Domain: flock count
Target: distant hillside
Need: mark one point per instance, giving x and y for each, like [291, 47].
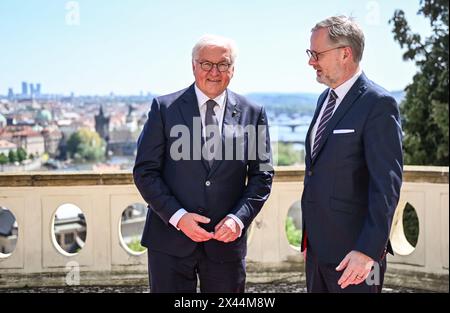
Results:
[288, 103]
[297, 103]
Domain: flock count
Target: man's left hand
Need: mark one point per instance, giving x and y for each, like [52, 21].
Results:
[227, 230]
[357, 267]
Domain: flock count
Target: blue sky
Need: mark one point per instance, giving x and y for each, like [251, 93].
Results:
[145, 45]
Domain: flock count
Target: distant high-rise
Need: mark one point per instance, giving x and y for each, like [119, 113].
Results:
[10, 94]
[24, 89]
[38, 89]
[32, 90]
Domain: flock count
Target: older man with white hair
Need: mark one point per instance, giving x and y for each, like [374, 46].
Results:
[201, 198]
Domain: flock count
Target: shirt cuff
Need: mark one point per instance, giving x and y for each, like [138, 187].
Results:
[177, 217]
[237, 220]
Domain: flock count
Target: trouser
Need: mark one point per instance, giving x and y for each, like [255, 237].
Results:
[172, 274]
[323, 277]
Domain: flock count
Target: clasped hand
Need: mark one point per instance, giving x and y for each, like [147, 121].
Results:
[226, 230]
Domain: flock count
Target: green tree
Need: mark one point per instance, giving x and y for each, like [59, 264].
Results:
[425, 108]
[86, 145]
[286, 154]
[293, 234]
[12, 156]
[135, 245]
[411, 224]
[3, 159]
[21, 154]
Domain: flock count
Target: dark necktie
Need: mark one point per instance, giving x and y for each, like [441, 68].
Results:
[326, 117]
[211, 122]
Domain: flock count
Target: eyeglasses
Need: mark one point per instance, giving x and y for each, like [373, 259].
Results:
[221, 67]
[315, 55]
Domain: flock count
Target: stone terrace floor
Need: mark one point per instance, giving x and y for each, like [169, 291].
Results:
[250, 288]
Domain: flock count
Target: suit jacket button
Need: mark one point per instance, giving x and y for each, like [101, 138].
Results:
[310, 173]
[208, 183]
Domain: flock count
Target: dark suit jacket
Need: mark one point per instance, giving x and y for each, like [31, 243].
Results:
[235, 186]
[352, 186]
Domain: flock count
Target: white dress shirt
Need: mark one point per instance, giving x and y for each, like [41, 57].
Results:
[219, 111]
[340, 91]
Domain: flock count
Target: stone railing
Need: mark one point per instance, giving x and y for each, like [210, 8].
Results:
[37, 260]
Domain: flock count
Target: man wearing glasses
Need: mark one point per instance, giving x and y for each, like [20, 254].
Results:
[201, 204]
[353, 169]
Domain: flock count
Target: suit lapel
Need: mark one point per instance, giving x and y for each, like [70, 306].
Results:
[189, 111]
[350, 98]
[231, 118]
[189, 107]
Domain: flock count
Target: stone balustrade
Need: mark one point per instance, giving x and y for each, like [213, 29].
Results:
[37, 259]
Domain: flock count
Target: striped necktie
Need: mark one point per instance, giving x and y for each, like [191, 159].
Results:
[326, 117]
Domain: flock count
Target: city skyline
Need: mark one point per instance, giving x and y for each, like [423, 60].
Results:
[33, 90]
[99, 47]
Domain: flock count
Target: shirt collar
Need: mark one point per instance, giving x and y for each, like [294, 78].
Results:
[342, 90]
[202, 98]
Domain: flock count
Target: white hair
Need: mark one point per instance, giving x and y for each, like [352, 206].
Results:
[217, 41]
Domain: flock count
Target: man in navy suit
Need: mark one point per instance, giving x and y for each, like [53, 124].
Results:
[353, 169]
[203, 165]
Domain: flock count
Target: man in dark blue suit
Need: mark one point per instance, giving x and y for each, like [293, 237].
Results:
[353, 169]
[203, 165]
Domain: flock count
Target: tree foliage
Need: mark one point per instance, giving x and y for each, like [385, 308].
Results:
[285, 154]
[3, 159]
[21, 154]
[425, 108]
[293, 234]
[86, 145]
[12, 156]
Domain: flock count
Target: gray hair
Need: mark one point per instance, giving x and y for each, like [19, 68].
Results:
[345, 31]
[215, 40]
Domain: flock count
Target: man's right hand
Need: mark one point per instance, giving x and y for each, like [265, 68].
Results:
[188, 224]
